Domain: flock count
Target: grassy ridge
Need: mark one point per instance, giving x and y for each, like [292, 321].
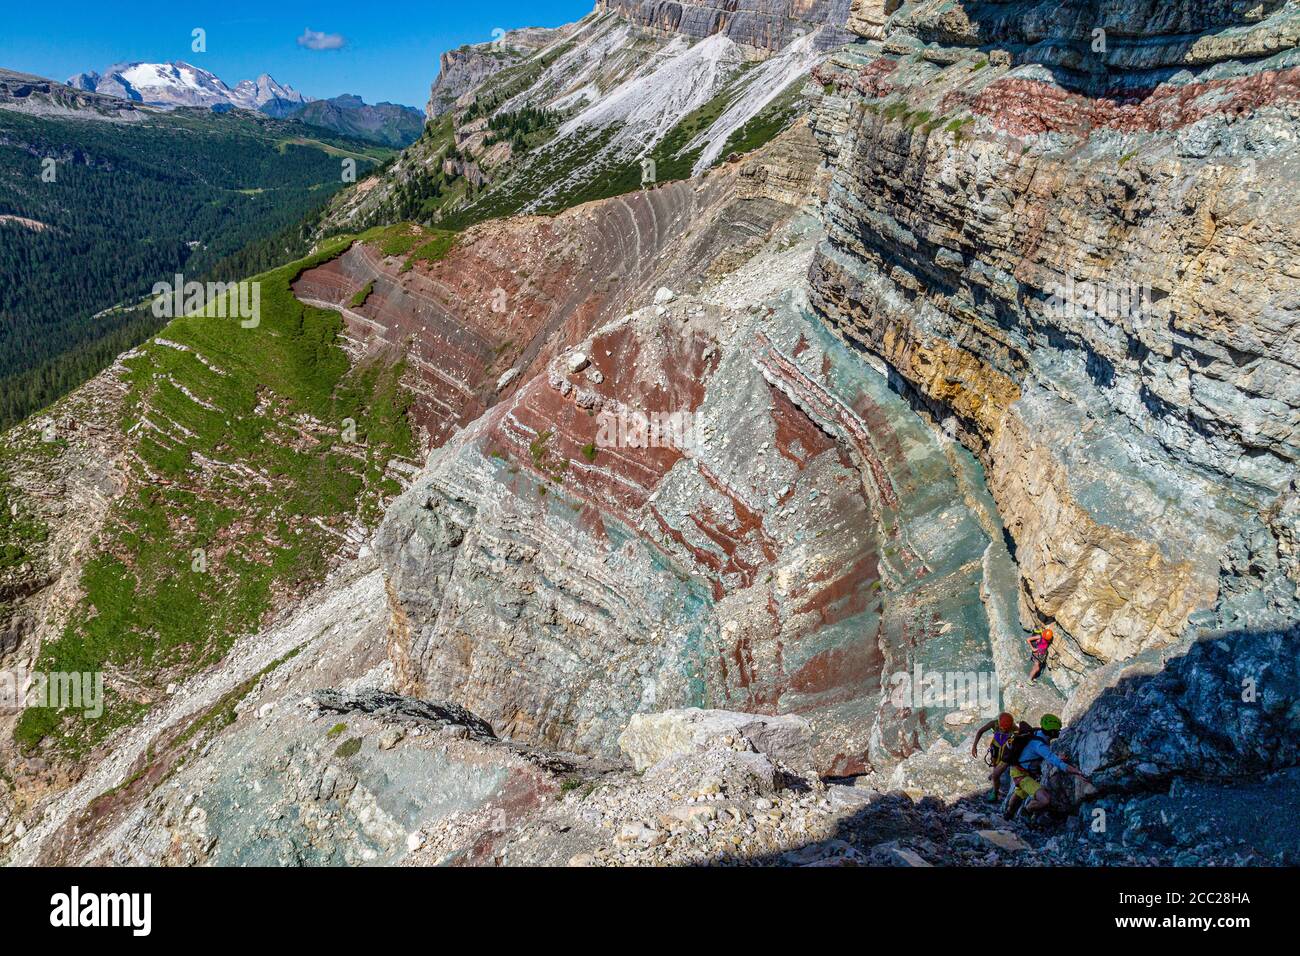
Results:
[253, 449]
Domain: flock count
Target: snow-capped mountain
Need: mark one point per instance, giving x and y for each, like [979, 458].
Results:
[182, 84]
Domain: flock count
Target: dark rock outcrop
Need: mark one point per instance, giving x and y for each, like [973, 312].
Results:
[1193, 823]
[1222, 704]
[403, 709]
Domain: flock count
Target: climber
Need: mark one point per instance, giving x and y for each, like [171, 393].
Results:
[1002, 738]
[1026, 759]
[1039, 641]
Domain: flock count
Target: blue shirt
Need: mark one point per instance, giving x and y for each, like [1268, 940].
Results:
[1037, 750]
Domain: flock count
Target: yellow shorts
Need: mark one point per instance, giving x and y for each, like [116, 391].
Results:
[1026, 786]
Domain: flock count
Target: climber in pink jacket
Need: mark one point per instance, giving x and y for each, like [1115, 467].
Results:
[1039, 642]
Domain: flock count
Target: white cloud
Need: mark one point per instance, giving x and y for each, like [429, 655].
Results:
[315, 40]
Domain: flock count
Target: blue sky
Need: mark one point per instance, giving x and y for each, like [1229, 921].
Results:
[390, 50]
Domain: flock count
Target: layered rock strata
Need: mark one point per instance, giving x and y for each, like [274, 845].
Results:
[765, 25]
[1080, 262]
[805, 545]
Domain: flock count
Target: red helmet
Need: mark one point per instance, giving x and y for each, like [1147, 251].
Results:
[1006, 722]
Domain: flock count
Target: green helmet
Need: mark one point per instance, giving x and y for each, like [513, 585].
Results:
[1050, 722]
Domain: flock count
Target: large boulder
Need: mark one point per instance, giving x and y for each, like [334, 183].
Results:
[650, 738]
[942, 770]
[1228, 707]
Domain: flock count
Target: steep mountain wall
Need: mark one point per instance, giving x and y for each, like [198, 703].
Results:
[1073, 252]
[463, 70]
[538, 121]
[762, 24]
[810, 539]
[1068, 229]
[509, 296]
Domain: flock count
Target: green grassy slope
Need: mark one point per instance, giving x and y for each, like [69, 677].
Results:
[244, 473]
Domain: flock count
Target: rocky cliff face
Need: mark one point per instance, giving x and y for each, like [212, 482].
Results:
[1220, 703]
[796, 543]
[1076, 250]
[550, 119]
[508, 297]
[463, 70]
[1003, 334]
[765, 25]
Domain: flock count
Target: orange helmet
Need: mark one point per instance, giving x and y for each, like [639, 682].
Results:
[1047, 633]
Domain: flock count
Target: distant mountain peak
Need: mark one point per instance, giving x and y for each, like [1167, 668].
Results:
[387, 123]
[183, 84]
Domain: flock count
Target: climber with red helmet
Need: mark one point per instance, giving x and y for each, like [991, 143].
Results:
[1039, 641]
[1005, 730]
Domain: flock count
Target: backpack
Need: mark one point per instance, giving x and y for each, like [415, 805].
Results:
[1015, 744]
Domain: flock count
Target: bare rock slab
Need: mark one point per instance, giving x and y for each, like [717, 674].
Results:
[650, 738]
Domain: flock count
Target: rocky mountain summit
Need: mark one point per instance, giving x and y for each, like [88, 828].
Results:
[463, 70]
[700, 519]
[182, 84]
[387, 123]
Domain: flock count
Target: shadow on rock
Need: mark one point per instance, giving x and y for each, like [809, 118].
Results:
[1193, 752]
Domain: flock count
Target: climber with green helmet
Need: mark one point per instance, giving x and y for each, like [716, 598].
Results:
[1027, 761]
